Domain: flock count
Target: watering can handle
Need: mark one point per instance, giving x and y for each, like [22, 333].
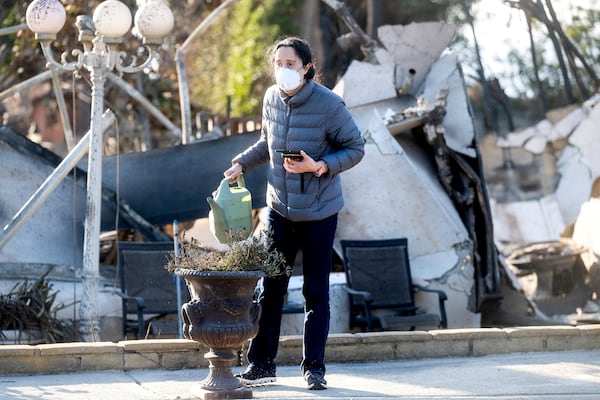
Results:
[225, 184]
[241, 183]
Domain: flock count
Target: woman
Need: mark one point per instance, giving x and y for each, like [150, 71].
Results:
[304, 196]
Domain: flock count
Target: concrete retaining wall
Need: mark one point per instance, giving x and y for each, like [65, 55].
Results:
[341, 348]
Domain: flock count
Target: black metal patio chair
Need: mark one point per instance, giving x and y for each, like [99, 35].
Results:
[148, 290]
[381, 289]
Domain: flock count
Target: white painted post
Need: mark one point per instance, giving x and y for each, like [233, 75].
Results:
[90, 275]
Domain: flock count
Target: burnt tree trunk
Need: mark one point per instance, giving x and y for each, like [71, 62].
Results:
[536, 68]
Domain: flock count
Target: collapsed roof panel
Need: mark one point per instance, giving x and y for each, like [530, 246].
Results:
[575, 186]
[416, 46]
[366, 83]
[172, 183]
[399, 195]
[446, 74]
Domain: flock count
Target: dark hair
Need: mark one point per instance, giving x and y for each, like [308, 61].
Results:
[302, 50]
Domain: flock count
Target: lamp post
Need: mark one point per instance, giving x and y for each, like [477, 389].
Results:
[100, 37]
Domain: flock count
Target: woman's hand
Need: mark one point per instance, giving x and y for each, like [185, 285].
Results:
[234, 172]
[307, 164]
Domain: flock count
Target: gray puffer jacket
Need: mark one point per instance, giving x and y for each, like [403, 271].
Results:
[314, 120]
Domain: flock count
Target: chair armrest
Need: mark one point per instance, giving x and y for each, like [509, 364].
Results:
[139, 301]
[368, 297]
[441, 294]
[442, 297]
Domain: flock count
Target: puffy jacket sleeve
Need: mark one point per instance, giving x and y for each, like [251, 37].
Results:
[345, 138]
[254, 155]
[258, 153]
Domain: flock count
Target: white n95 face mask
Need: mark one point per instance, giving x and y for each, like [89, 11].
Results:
[288, 79]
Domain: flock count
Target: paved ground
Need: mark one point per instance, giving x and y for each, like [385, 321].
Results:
[526, 376]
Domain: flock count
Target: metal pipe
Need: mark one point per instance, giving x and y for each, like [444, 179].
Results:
[12, 29]
[51, 183]
[25, 84]
[184, 100]
[184, 94]
[62, 108]
[178, 279]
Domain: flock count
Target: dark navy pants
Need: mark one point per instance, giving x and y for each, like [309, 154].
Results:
[315, 239]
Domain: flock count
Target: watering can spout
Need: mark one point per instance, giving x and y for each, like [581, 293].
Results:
[213, 204]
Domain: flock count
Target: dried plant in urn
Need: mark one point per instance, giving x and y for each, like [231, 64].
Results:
[252, 254]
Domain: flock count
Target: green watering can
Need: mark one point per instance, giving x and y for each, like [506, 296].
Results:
[230, 211]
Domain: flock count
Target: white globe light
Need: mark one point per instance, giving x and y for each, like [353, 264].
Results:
[112, 18]
[46, 16]
[154, 20]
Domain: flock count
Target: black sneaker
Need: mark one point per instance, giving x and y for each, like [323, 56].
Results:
[315, 380]
[257, 375]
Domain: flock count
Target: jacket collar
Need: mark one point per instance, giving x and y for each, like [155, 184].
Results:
[300, 97]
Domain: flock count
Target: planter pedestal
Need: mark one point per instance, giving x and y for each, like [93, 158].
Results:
[221, 316]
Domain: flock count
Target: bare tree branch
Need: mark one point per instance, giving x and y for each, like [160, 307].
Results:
[536, 71]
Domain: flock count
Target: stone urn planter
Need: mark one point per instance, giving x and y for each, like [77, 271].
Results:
[223, 312]
[222, 316]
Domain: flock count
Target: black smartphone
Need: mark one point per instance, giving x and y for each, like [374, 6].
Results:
[294, 155]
